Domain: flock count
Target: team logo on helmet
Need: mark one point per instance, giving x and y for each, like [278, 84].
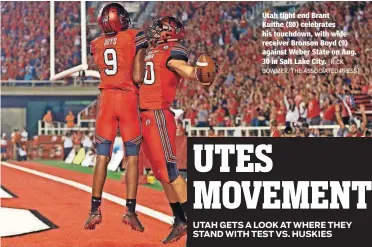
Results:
[165, 29]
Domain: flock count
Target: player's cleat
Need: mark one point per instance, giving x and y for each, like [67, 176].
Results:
[131, 219]
[178, 230]
[94, 219]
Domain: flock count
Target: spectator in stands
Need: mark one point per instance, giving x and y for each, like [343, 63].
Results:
[70, 119]
[16, 136]
[87, 142]
[211, 132]
[191, 114]
[299, 132]
[303, 112]
[292, 115]
[24, 135]
[346, 112]
[4, 145]
[48, 120]
[281, 114]
[353, 130]
[180, 130]
[32, 35]
[307, 132]
[21, 153]
[92, 115]
[329, 112]
[76, 139]
[275, 132]
[220, 29]
[67, 145]
[313, 109]
[202, 116]
[67, 35]
[16, 141]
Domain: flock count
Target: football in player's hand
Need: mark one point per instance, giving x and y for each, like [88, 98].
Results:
[206, 70]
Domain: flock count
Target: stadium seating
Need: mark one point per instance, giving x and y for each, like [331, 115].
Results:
[25, 40]
[67, 35]
[242, 95]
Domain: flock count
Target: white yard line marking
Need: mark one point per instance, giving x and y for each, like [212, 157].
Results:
[141, 209]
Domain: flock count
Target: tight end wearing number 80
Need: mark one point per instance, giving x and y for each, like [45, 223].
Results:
[206, 70]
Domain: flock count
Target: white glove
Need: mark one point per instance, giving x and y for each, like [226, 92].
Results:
[178, 113]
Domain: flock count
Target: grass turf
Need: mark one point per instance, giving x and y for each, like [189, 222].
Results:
[89, 170]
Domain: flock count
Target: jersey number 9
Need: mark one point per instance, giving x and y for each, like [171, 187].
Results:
[111, 61]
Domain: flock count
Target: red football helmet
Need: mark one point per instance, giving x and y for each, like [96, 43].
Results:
[113, 18]
[165, 29]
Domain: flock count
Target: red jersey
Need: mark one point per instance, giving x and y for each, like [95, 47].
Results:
[329, 113]
[358, 134]
[159, 85]
[280, 116]
[313, 109]
[192, 116]
[275, 133]
[247, 116]
[233, 108]
[114, 57]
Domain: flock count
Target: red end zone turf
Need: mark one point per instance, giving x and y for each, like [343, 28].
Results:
[67, 208]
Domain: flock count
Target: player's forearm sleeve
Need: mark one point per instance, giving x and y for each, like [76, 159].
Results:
[141, 41]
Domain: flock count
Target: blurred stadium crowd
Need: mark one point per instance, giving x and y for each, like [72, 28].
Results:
[242, 95]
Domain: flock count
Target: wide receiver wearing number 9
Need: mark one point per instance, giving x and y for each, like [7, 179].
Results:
[119, 54]
[166, 63]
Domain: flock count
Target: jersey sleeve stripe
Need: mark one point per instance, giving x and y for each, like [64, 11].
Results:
[178, 52]
[186, 52]
[182, 48]
[140, 36]
[140, 44]
[140, 41]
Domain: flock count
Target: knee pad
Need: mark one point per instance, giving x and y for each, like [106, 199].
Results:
[173, 171]
[132, 149]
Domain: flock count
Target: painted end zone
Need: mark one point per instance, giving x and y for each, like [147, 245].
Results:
[6, 194]
[15, 222]
[67, 206]
[141, 209]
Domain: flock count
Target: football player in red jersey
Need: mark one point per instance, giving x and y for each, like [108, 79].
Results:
[166, 63]
[119, 54]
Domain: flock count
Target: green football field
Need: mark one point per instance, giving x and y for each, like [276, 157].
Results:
[89, 170]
